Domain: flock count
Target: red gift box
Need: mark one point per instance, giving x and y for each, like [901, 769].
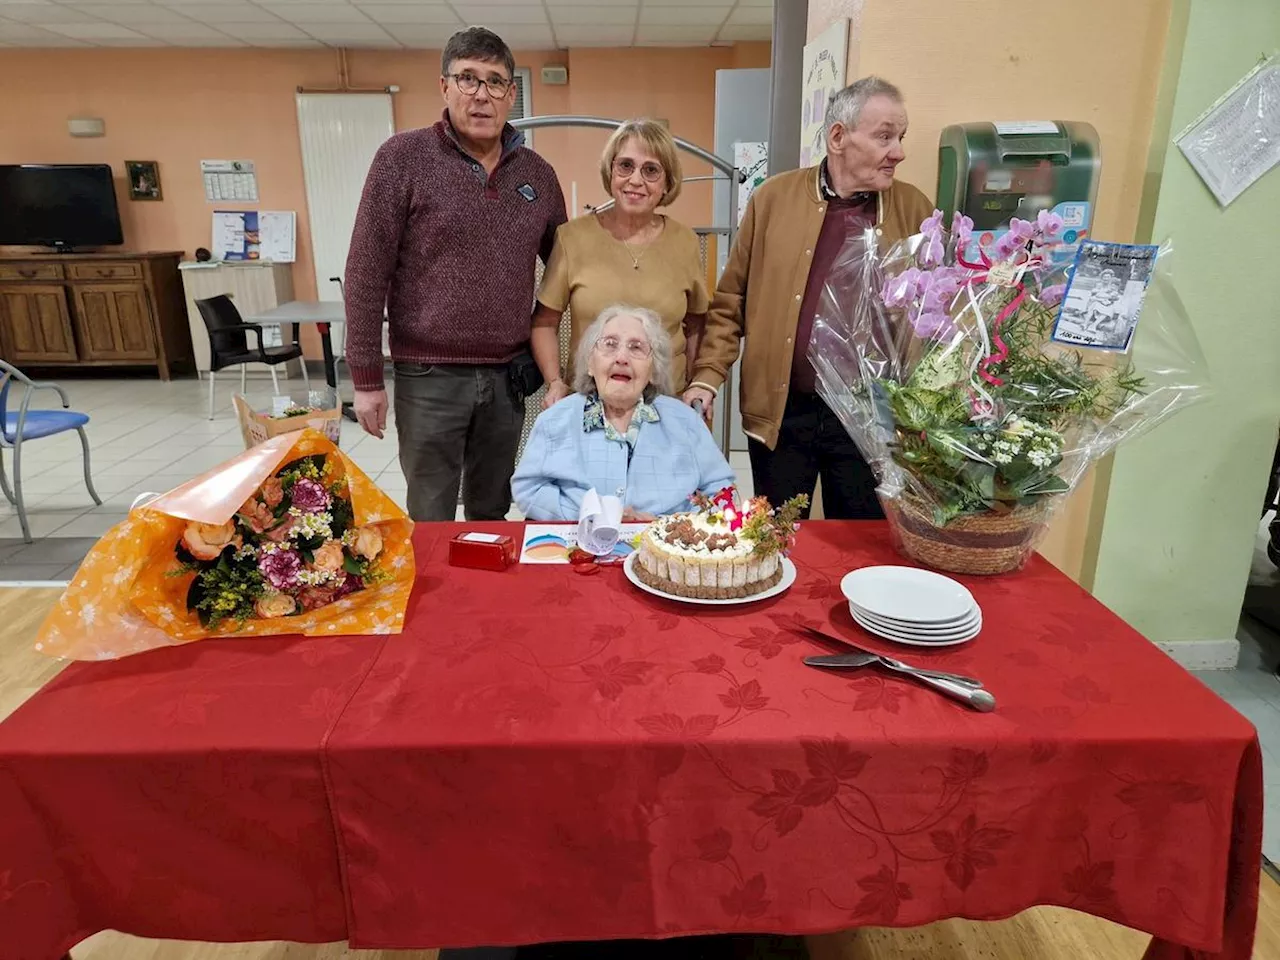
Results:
[482, 551]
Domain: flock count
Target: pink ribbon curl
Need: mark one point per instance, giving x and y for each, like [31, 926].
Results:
[1001, 352]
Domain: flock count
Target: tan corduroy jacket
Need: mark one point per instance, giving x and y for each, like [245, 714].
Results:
[763, 283]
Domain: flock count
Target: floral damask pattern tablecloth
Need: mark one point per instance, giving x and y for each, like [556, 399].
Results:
[542, 755]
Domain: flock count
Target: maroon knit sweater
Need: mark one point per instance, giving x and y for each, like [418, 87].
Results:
[450, 253]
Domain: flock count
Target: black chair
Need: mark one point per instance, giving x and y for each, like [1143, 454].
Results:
[229, 344]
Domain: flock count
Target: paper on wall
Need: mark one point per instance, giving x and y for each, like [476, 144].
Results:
[1237, 140]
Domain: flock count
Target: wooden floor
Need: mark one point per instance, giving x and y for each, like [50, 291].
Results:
[1041, 934]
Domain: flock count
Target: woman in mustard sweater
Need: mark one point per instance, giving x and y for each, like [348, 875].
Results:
[628, 253]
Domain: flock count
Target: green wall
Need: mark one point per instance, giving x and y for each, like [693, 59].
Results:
[1183, 503]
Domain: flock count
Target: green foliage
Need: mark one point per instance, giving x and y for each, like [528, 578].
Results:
[973, 465]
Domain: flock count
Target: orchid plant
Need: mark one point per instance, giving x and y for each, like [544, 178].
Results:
[982, 406]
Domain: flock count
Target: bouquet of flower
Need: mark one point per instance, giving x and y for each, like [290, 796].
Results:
[288, 537]
[291, 547]
[981, 381]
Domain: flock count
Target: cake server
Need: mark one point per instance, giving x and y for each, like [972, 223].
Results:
[852, 659]
[975, 697]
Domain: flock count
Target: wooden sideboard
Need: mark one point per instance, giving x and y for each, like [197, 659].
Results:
[95, 310]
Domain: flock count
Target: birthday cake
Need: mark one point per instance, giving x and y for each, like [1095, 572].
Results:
[718, 551]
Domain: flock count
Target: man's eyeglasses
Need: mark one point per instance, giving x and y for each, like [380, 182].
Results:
[636, 349]
[469, 84]
[651, 172]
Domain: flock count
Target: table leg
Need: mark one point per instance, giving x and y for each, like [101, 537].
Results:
[330, 371]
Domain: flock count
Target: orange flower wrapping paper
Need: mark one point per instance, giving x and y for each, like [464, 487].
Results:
[123, 602]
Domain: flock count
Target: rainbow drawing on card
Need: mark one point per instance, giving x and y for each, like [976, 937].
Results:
[546, 548]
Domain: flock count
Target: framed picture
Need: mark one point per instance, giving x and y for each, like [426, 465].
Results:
[144, 179]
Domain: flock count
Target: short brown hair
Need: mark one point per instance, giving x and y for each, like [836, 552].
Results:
[659, 141]
[477, 43]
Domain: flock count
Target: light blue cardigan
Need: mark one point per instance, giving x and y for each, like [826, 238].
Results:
[673, 457]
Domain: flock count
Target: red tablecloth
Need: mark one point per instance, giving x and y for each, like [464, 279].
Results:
[543, 755]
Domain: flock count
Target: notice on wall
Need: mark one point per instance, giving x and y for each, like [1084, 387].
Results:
[822, 77]
[267, 235]
[278, 232]
[229, 180]
[1237, 140]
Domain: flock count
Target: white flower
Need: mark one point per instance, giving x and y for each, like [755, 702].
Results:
[307, 526]
[88, 614]
[1002, 458]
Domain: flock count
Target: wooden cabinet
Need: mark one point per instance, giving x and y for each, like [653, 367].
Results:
[113, 322]
[35, 326]
[95, 310]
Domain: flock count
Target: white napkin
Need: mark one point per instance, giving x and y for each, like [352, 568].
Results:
[599, 523]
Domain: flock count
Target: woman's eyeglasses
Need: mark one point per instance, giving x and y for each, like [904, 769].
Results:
[651, 172]
[635, 349]
[469, 84]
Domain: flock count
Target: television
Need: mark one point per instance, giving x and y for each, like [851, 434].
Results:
[58, 205]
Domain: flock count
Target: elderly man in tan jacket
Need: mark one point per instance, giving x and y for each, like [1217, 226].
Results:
[793, 229]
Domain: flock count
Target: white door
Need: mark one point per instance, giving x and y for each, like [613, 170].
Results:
[339, 134]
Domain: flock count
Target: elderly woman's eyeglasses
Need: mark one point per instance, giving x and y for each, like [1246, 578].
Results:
[635, 349]
[651, 172]
[469, 84]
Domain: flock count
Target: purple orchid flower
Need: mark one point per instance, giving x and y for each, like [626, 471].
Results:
[281, 569]
[961, 229]
[932, 325]
[1052, 295]
[1049, 224]
[903, 289]
[1007, 246]
[1023, 230]
[932, 250]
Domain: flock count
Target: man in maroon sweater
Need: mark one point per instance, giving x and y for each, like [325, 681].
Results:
[452, 219]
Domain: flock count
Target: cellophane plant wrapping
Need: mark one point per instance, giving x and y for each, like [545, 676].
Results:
[946, 375]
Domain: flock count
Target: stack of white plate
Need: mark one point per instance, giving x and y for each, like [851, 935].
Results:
[908, 605]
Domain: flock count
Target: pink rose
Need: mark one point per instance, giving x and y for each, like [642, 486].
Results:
[273, 492]
[328, 556]
[368, 542]
[205, 541]
[275, 605]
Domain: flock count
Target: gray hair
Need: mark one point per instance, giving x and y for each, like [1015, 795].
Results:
[845, 107]
[659, 342]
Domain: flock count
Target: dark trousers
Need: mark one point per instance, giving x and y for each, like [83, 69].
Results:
[457, 424]
[812, 443]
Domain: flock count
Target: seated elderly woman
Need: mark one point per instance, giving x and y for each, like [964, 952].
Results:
[619, 433]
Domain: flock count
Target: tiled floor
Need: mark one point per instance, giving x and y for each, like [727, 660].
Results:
[147, 436]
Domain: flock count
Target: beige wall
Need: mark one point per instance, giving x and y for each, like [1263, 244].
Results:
[181, 106]
[969, 60]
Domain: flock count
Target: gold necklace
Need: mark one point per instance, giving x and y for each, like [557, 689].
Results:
[636, 258]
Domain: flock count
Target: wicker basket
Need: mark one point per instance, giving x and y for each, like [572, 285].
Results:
[985, 543]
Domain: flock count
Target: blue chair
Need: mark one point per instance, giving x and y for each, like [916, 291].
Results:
[27, 425]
